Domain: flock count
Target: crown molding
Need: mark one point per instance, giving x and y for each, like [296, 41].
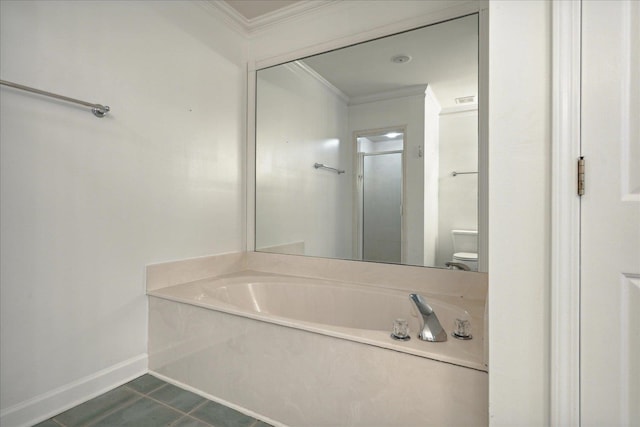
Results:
[390, 94]
[221, 10]
[249, 26]
[326, 83]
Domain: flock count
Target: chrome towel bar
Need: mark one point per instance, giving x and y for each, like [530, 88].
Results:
[98, 110]
[320, 165]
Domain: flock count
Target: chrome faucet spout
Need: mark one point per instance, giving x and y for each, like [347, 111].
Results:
[430, 327]
[457, 266]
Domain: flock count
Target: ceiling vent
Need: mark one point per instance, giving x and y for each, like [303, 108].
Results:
[466, 100]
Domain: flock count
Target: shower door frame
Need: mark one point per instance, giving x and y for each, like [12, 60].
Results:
[358, 167]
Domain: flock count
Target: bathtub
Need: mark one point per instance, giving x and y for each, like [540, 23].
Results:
[299, 351]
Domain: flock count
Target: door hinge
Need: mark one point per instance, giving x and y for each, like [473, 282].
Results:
[581, 176]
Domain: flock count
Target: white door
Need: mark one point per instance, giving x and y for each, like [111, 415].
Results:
[610, 214]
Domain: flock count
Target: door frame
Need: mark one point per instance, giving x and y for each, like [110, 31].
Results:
[564, 380]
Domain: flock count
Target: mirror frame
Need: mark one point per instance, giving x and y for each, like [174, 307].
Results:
[362, 37]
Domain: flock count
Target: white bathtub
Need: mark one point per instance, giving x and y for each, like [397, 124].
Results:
[355, 312]
[299, 351]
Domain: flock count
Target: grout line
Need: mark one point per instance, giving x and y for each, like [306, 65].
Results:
[139, 396]
[155, 389]
[199, 405]
[204, 402]
[189, 414]
[178, 420]
[104, 415]
[99, 416]
[181, 412]
[192, 418]
[184, 414]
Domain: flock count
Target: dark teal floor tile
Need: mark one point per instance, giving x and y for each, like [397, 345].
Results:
[178, 398]
[221, 416]
[145, 384]
[88, 411]
[47, 423]
[143, 413]
[189, 422]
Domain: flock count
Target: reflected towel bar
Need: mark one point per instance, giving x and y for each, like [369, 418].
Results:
[98, 110]
[454, 173]
[320, 165]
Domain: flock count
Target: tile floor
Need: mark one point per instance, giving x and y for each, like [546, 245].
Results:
[150, 402]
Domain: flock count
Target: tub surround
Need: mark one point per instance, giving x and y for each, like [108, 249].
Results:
[172, 273]
[291, 377]
[433, 281]
[273, 366]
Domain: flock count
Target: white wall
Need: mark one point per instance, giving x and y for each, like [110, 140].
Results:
[301, 122]
[458, 195]
[519, 212]
[87, 202]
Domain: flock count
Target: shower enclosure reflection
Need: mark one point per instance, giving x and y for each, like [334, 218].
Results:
[397, 127]
[379, 181]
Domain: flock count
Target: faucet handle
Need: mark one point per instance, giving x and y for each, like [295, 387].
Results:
[462, 326]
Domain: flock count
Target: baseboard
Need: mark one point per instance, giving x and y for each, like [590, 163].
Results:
[45, 406]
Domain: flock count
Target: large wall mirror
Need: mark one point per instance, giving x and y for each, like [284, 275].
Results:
[370, 152]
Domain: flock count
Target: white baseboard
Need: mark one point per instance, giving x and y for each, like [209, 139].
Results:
[45, 406]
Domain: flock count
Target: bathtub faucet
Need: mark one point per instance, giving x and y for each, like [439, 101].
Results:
[456, 266]
[430, 328]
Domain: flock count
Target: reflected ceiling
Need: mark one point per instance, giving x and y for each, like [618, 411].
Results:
[252, 9]
[444, 56]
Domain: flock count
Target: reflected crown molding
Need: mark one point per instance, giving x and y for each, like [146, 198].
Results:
[390, 94]
[248, 26]
[374, 97]
[313, 73]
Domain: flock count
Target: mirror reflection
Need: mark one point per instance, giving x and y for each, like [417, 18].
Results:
[371, 152]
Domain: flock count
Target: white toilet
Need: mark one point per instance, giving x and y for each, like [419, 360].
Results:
[465, 247]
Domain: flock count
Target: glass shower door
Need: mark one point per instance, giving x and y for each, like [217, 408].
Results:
[382, 207]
